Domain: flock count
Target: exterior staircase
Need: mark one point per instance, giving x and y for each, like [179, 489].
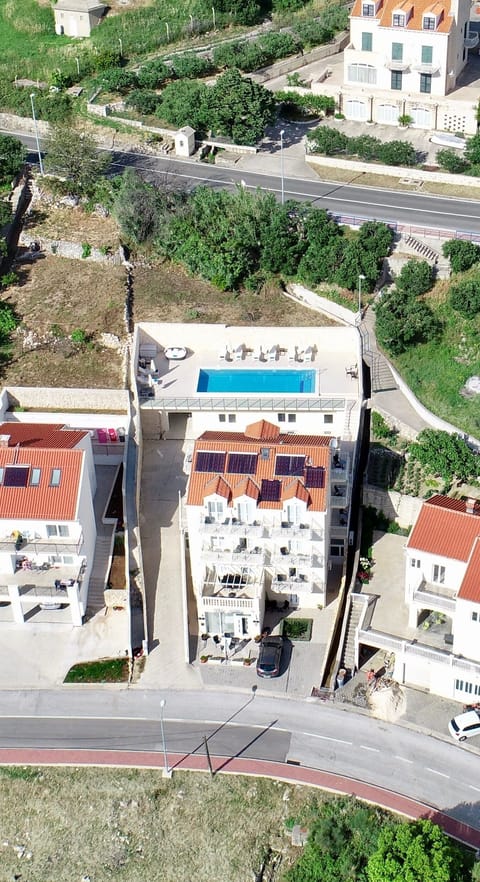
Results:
[381, 377]
[99, 574]
[348, 658]
[422, 249]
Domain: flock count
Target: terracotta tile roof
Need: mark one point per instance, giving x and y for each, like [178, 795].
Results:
[415, 22]
[444, 528]
[42, 502]
[470, 587]
[262, 430]
[295, 490]
[316, 451]
[51, 435]
[219, 487]
[247, 487]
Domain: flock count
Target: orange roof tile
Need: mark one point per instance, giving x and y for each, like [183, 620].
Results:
[51, 435]
[415, 22]
[444, 528]
[247, 487]
[219, 487]
[262, 430]
[316, 451]
[470, 587]
[42, 502]
[295, 490]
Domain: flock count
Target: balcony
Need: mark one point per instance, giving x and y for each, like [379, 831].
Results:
[288, 559]
[293, 586]
[231, 527]
[35, 545]
[302, 531]
[234, 587]
[391, 64]
[339, 499]
[428, 68]
[254, 557]
[234, 603]
[435, 597]
[471, 40]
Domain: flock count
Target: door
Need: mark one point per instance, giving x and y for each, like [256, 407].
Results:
[355, 109]
[388, 113]
[422, 117]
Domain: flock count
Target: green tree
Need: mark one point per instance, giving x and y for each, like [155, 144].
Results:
[402, 320]
[445, 455]
[472, 150]
[365, 147]
[327, 141]
[416, 850]
[12, 156]
[117, 79]
[190, 66]
[5, 213]
[415, 278]
[452, 161]
[376, 238]
[184, 104]
[397, 153]
[154, 74]
[461, 254]
[139, 208]
[239, 109]
[143, 101]
[465, 297]
[73, 154]
[282, 240]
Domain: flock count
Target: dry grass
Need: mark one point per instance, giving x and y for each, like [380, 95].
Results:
[132, 825]
[385, 182]
[71, 225]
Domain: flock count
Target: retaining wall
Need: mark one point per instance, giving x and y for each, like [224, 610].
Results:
[62, 399]
[295, 62]
[321, 304]
[395, 506]
[392, 171]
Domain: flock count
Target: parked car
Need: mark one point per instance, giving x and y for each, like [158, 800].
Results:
[465, 725]
[270, 656]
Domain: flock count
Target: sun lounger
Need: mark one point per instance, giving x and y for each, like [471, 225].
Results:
[273, 352]
[239, 352]
[224, 353]
[292, 353]
[257, 353]
[308, 354]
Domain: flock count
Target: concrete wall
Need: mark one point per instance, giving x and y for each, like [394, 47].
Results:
[296, 62]
[392, 171]
[396, 506]
[113, 402]
[321, 304]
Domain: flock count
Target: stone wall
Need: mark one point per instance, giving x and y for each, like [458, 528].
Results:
[395, 506]
[72, 250]
[296, 62]
[321, 304]
[61, 399]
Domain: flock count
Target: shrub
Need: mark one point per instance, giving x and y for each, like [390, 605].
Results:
[465, 297]
[79, 335]
[415, 278]
[8, 320]
[452, 161]
[8, 279]
[397, 153]
[365, 147]
[461, 254]
[118, 80]
[381, 431]
[191, 66]
[327, 141]
[143, 101]
[86, 249]
[5, 213]
[154, 74]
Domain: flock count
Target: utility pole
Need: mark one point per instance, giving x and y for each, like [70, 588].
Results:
[207, 754]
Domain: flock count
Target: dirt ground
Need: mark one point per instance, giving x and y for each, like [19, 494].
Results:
[130, 825]
[71, 225]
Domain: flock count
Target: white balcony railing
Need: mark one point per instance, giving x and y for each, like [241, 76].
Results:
[237, 603]
[231, 527]
[293, 586]
[471, 40]
[433, 601]
[33, 545]
[253, 558]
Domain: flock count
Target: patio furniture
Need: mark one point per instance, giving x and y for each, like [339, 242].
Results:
[273, 352]
[175, 353]
[292, 353]
[308, 354]
[224, 353]
[257, 353]
[239, 352]
[102, 436]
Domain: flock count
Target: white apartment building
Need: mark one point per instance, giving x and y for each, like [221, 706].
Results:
[262, 510]
[47, 520]
[404, 58]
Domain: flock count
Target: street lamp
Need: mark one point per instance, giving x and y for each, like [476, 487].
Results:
[213, 14]
[167, 772]
[32, 96]
[281, 165]
[360, 278]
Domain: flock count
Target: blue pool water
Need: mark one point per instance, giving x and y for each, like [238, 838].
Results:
[257, 381]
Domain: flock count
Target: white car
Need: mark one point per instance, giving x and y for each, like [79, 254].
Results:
[465, 725]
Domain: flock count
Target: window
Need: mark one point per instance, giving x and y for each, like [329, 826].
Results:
[63, 530]
[55, 476]
[52, 530]
[328, 417]
[215, 509]
[398, 20]
[415, 562]
[429, 23]
[462, 686]
[222, 417]
[281, 417]
[232, 418]
[368, 9]
[475, 617]
[362, 73]
[367, 41]
[426, 83]
[396, 79]
[337, 549]
[2, 472]
[438, 574]
[397, 51]
[465, 30]
[292, 417]
[35, 477]
[265, 453]
[427, 54]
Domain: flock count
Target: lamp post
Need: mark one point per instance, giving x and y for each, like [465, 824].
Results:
[191, 22]
[78, 66]
[168, 31]
[121, 46]
[167, 772]
[32, 96]
[361, 277]
[213, 15]
[282, 132]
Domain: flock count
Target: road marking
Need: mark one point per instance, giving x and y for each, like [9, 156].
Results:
[326, 738]
[403, 758]
[436, 772]
[474, 788]
[374, 749]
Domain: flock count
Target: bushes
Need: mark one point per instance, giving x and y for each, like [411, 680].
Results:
[306, 103]
[452, 161]
[461, 254]
[402, 319]
[250, 55]
[153, 74]
[465, 297]
[190, 66]
[143, 101]
[328, 141]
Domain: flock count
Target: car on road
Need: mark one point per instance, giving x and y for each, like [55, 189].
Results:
[465, 725]
[270, 656]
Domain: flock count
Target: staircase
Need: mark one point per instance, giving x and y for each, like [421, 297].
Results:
[349, 657]
[422, 249]
[99, 574]
[381, 377]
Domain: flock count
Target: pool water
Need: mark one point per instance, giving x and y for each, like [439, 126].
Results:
[257, 381]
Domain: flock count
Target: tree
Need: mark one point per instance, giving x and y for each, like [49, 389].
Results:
[397, 153]
[282, 241]
[5, 213]
[465, 297]
[184, 104]
[144, 101]
[365, 147]
[472, 150]
[415, 850]
[118, 80]
[415, 278]
[139, 208]
[190, 66]
[327, 141]
[461, 254]
[12, 155]
[73, 154]
[402, 320]
[377, 238]
[452, 161]
[154, 74]
[445, 455]
[239, 108]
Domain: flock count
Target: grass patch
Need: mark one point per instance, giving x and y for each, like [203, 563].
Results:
[297, 629]
[106, 670]
[29, 46]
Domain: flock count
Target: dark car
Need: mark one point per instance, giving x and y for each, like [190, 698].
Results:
[269, 657]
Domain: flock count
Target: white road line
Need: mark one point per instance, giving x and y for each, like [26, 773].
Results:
[403, 758]
[474, 788]
[373, 749]
[436, 772]
[326, 738]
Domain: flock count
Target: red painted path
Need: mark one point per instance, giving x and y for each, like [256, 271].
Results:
[241, 766]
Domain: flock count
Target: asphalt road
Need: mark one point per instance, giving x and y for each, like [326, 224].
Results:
[423, 211]
[440, 773]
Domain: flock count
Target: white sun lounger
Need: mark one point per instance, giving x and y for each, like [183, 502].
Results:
[292, 353]
[224, 353]
[273, 352]
[239, 351]
[308, 354]
[257, 354]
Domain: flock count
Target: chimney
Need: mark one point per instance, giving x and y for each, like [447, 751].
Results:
[470, 505]
[4, 440]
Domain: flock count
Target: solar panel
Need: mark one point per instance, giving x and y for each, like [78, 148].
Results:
[16, 476]
[289, 465]
[315, 477]
[270, 491]
[210, 461]
[242, 463]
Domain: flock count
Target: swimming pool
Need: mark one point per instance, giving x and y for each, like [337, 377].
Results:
[257, 381]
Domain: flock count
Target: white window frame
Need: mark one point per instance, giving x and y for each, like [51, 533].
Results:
[438, 574]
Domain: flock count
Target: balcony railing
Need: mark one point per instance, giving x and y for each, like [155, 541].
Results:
[294, 586]
[231, 527]
[221, 403]
[302, 531]
[237, 603]
[292, 559]
[434, 601]
[471, 40]
[49, 545]
[253, 557]
[428, 68]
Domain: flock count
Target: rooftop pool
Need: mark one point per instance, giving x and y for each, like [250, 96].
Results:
[296, 382]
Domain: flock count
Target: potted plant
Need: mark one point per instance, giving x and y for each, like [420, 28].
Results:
[204, 659]
[248, 661]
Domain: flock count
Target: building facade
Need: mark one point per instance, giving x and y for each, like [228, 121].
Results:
[76, 18]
